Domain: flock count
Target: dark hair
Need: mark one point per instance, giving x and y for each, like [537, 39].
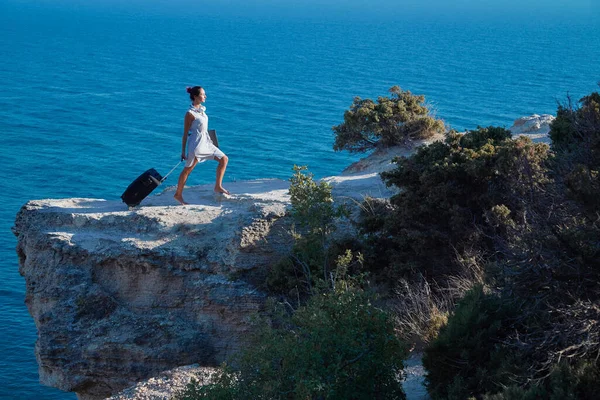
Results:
[193, 91]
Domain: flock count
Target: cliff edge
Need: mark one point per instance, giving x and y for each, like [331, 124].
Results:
[120, 295]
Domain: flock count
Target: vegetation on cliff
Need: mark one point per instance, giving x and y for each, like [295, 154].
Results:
[312, 263]
[508, 231]
[334, 342]
[337, 346]
[455, 194]
[525, 217]
[490, 252]
[393, 120]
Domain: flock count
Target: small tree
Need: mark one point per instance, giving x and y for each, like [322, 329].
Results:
[312, 204]
[391, 121]
[314, 214]
[467, 358]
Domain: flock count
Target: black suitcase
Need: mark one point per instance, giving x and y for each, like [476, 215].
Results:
[141, 187]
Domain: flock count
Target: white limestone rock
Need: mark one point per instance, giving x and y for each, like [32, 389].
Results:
[167, 384]
[535, 126]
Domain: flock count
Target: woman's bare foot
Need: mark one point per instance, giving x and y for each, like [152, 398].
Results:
[179, 198]
[221, 189]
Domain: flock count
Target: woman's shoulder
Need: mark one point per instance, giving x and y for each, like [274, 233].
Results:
[189, 115]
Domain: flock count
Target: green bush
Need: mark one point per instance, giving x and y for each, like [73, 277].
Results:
[467, 357]
[310, 265]
[573, 200]
[312, 204]
[575, 125]
[222, 385]
[449, 191]
[393, 120]
[338, 346]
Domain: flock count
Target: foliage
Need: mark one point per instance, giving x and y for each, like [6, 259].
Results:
[575, 136]
[312, 261]
[467, 358]
[390, 121]
[454, 193]
[337, 346]
[576, 125]
[540, 248]
[222, 385]
[312, 203]
[565, 382]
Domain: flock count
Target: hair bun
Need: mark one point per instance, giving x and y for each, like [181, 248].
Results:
[188, 89]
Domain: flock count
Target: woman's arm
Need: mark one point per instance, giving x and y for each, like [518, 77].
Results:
[187, 123]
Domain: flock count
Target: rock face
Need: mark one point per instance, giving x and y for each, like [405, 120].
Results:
[120, 295]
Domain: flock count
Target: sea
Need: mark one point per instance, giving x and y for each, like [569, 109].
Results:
[91, 98]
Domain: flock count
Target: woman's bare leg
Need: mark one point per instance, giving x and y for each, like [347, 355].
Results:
[220, 173]
[181, 182]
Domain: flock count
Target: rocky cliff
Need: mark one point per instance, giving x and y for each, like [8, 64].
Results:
[120, 295]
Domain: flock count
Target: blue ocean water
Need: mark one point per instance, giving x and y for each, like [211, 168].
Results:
[88, 100]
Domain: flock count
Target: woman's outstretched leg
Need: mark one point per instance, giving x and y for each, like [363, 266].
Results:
[181, 182]
[220, 173]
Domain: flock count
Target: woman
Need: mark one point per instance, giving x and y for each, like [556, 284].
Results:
[200, 148]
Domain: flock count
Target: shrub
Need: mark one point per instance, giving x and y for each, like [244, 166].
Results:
[448, 191]
[467, 357]
[220, 385]
[576, 125]
[391, 121]
[338, 346]
[540, 242]
[310, 263]
[529, 216]
[312, 204]
[575, 135]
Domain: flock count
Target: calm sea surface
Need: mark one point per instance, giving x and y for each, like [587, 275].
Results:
[88, 101]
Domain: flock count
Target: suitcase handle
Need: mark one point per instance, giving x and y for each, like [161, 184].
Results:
[173, 169]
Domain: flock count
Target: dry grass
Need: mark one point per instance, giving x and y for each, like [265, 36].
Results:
[422, 308]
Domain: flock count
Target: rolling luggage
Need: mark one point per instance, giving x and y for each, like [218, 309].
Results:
[144, 184]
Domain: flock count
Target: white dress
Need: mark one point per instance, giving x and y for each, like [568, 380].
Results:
[199, 145]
